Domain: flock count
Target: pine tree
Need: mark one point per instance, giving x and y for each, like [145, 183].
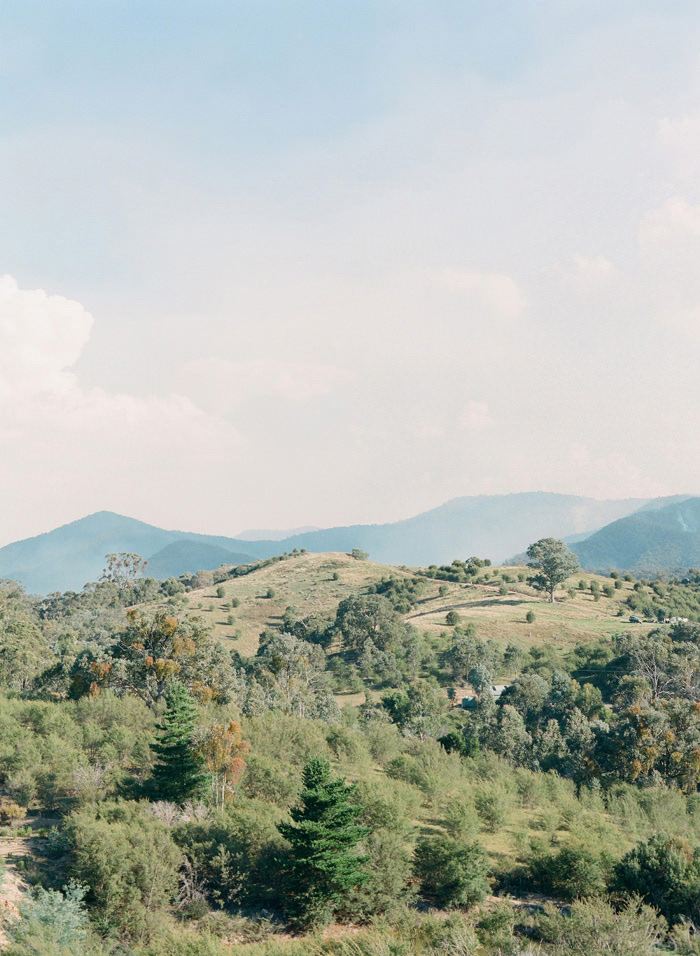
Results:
[179, 771]
[323, 864]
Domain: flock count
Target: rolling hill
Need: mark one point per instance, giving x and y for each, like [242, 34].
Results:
[647, 542]
[316, 583]
[493, 526]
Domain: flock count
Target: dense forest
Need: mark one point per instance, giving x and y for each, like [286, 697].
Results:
[357, 785]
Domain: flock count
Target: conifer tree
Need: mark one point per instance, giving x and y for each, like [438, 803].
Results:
[323, 864]
[179, 771]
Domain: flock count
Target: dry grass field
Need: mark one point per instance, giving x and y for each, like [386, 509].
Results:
[306, 582]
[502, 617]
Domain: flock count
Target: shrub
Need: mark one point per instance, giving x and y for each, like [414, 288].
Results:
[491, 805]
[234, 853]
[461, 820]
[220, 591]
[569, 873]
[452, 618]
[388, 867]
[665, 872]
[10, 811]
[127, 859]
[49, 918]
[530, 617]
[452, 872]
[594, 926]
[495, 930]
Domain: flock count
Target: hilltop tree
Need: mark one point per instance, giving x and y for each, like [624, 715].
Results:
[179, 772]
[123, 568]
[554, 563]
[323, 864]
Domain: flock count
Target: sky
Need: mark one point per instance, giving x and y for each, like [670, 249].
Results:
[270, 263]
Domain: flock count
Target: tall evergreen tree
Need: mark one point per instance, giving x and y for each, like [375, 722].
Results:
[323, 863]
[179, 771]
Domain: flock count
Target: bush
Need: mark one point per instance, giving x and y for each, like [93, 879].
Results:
[594, 926]
[664, 872]
[50, 920]
[491, 805]
[530, 617]
[452, 618]
[234, 853]
[570, 873]
[495, 930]
[452, 872]
[10, 811]
[127, 859]
[388, 866]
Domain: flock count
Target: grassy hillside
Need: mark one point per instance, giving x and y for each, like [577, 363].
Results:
[306, 582]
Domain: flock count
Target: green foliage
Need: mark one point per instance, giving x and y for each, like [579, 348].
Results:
[665, 872]
[420, 710]
[569, 873]
[554, 563]
[179, 772]
[51, 918]
[452, 872]
[595, 926]
[235, 853]
[322, 864]
[129, 862]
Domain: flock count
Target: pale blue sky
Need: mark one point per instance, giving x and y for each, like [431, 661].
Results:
[345, 259]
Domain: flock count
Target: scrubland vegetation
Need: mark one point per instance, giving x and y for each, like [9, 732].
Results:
[325, 792]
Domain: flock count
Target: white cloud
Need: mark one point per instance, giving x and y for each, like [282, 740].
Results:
[592, 270]
[79, 449]
[40, 337]
[494, 292]
[675, 220]
[476, 416]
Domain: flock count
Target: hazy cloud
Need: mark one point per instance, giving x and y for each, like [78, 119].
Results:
[492, 292]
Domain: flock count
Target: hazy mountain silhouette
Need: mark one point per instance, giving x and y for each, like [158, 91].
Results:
[494, 526]
[653, 540]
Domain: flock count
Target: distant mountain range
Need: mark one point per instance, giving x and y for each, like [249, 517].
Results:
[648, 542]
[495, 526]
